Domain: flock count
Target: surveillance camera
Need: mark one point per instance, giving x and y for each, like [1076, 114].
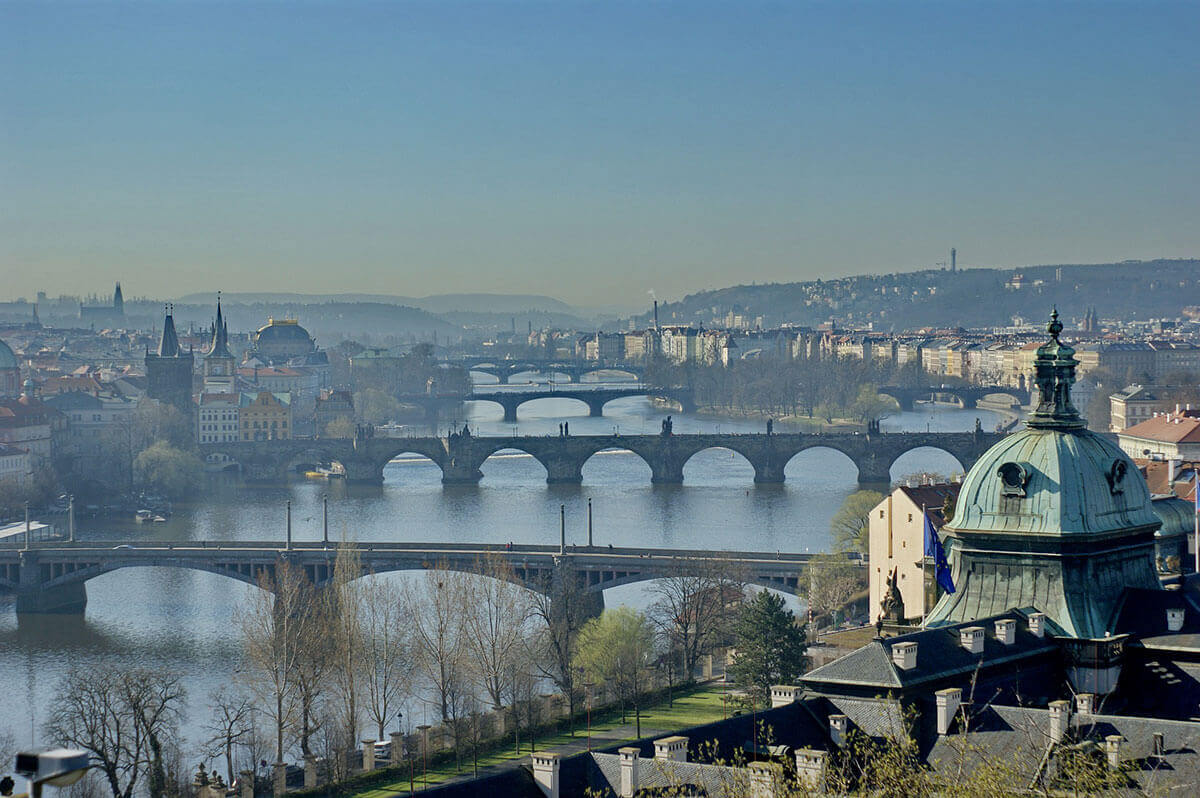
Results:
[59, 767]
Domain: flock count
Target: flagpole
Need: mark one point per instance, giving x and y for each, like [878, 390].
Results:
[924, 555]
[1196, 515]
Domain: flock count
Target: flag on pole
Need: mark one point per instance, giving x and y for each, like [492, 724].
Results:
[933, 548]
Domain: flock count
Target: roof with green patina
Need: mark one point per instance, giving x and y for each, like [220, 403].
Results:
[1067, 489]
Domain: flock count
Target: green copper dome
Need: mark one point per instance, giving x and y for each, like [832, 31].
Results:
[1053, 482]
[1053, 517]
[7, 359]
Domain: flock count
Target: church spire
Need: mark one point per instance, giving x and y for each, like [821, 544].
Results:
[1054, 374]
[220, 346]
[169, 345]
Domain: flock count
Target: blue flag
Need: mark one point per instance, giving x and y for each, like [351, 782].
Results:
[933, 548]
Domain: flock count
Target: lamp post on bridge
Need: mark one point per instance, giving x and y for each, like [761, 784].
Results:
[289, 525]
[589, 522]
[562, 529]
[325, 519]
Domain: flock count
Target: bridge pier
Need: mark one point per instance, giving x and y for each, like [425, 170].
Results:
[510, 411]
[363, 471]
[68, 599]
[460, 471]
[564, 472]
[768, 473]
[595, 407]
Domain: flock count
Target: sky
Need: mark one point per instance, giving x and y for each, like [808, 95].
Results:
[591, 151]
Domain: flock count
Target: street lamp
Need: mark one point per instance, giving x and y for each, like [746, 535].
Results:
[60, 767]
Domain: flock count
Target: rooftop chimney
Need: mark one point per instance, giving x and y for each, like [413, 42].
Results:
[671, 749]
[1112, 749]
[971, 639]
[783, 694]
[1037, 624]
[904, 655]
[1006, 631]
[545, 773]
[763, 778]
[1060, 717]
[1085, 703]
[1160, 746]
[948, 702]
[1174, 619]
[838, 724]
[629, 771]
[810, 769]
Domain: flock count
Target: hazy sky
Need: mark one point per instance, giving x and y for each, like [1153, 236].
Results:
[591, 151]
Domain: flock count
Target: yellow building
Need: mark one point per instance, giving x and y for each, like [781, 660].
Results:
[265, 416]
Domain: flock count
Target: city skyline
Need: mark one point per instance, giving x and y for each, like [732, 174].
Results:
[590, 153]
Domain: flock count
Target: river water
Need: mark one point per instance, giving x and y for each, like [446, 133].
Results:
[184, 621]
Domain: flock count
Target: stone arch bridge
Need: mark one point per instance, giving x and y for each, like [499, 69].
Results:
[594, 398]
[967, 395]
[503, 370]
[461, 457]
[52, 578]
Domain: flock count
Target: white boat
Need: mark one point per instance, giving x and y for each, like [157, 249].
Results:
[143, 515]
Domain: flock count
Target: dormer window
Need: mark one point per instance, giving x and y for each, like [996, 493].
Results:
[1013, 478]
[1115, 475]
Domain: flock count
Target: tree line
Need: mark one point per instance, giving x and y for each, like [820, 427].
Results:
[324, 667]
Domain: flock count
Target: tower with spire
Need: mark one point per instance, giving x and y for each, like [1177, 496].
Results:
[218, 367]
[169, 368]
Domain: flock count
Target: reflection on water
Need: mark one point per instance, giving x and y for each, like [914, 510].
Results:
[185, 621]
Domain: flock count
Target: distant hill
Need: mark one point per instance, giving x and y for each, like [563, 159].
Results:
[968, 298]
[328, 322]
[438, 303]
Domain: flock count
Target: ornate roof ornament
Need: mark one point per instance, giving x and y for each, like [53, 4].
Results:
[1054, 374]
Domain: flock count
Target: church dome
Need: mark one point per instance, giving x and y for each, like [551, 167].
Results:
[282, 339]
[1054, 517]
[7, 359]
[1053, 482]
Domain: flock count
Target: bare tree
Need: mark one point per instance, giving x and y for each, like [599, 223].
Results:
[497, 618]
[387, 651]
[273, 627]
[832, 582]
[229, 726]
[127, 722]
[435, 609]
[692, 608]
[562, 607]
[345, 603]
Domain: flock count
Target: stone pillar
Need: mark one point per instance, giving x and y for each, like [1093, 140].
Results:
[279, 778]
[310, 772]
[33, 597]
[671, 749]
[1060, 719]
[706, 666]
[396, 753]
[1112, 751]
[368, 757]
[246, 784]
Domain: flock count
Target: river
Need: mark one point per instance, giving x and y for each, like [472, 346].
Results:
[184, 621]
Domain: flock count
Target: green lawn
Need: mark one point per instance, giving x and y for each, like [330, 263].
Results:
[699, 706]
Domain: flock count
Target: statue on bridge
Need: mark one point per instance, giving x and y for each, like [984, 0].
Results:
[891, 608]
[667, 426]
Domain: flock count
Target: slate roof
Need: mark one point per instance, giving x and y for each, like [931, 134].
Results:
[940, 656]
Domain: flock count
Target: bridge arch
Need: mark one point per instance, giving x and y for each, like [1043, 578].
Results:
[803, 460]
[522, 472]
[945, 462]
[605, 469]
[731, 460]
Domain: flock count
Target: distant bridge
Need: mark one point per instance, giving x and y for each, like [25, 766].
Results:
[461, 457]
[52, 578]
[594, 398]
[967, 395]
[573, 368]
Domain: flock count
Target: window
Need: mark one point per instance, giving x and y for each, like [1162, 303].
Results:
[881, 513]
[910, 518]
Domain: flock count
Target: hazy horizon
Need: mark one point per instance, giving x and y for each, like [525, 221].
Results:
[586, 152]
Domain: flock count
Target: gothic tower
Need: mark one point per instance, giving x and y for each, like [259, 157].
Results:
[218, 364]
[118, 301]
[169, 369]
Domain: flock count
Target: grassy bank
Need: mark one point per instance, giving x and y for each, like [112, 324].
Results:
[692, 707]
